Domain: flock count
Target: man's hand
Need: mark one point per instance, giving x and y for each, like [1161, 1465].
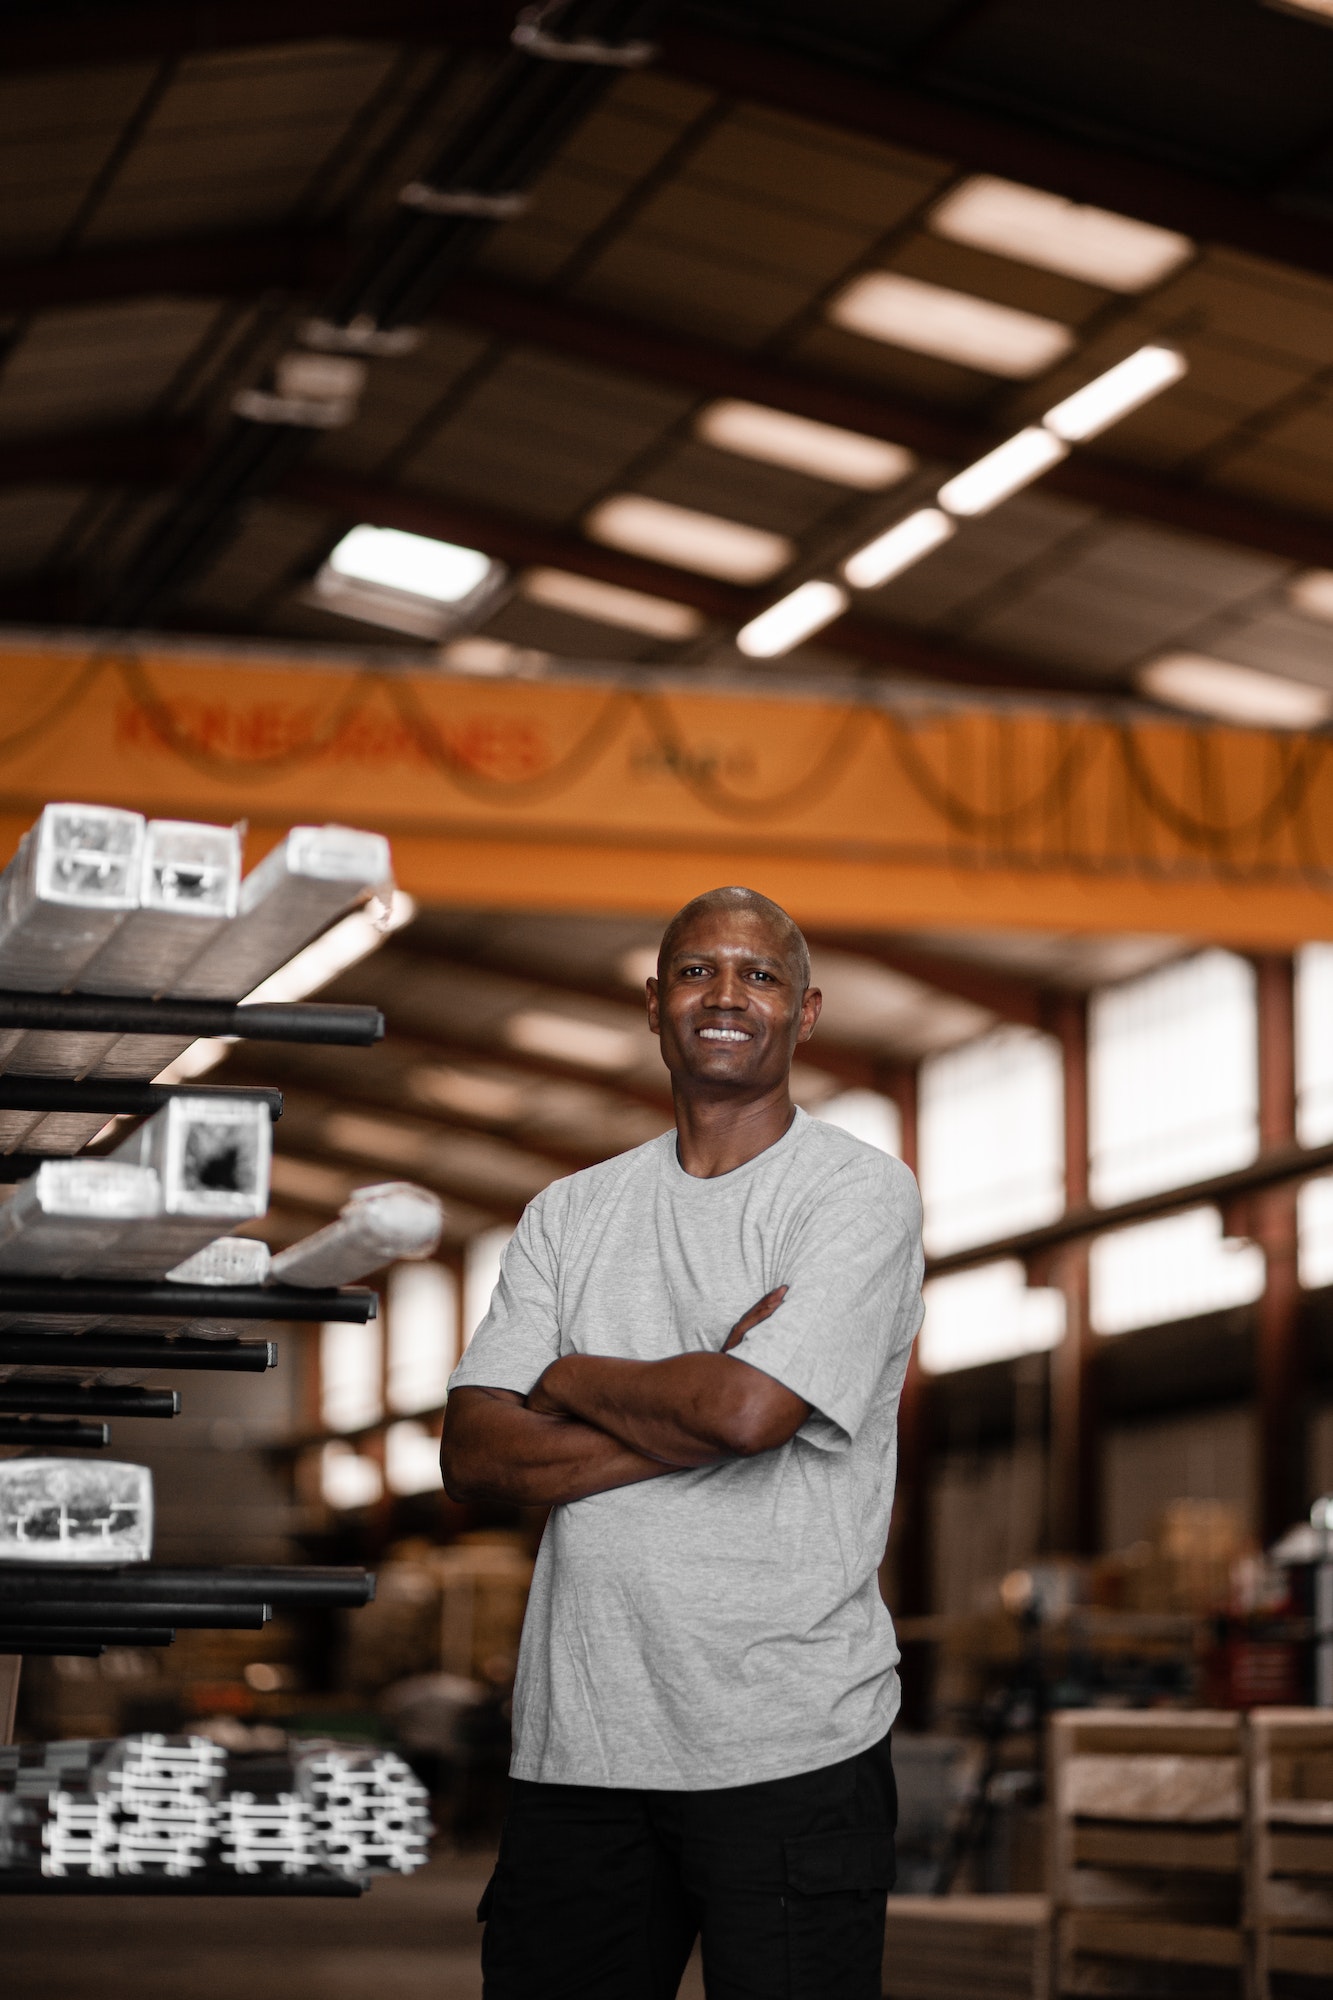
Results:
[755, 1317]
[495, 1449]
[689, 1410]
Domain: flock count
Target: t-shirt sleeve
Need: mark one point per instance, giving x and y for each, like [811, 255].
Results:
[520, 1335]
[853, 1304]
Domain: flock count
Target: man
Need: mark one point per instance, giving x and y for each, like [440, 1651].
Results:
[694, 1356]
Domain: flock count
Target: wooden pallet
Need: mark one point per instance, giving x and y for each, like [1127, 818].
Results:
[967, 1948]
[1289, 1881]
[1147, 1853]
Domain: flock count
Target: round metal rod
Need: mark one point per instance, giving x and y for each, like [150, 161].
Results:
[35, 1431]
[116, 1096]
[89, 1350]
[55, 1397]
[267, 1021]
[160, 1299]
[142, 1584]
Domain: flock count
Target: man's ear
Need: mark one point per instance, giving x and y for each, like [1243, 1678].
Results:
[654, 1007]
[811, 1003]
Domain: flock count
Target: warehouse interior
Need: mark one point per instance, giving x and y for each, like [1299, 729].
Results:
[883, 455]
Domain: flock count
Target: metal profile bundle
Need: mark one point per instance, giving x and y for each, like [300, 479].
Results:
[155, 1812]
[217, 947]
[120, 943]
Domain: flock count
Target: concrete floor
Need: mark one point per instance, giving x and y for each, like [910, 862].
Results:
[406, 1940]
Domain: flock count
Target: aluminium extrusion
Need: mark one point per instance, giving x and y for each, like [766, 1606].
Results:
[72, 883]
[378, 1225]
[72, 1211]
[189, 890]
[311, 879]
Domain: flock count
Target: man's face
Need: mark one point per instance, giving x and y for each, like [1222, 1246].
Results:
[729, 1006]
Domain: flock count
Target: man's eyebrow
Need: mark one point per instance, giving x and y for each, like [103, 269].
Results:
[753, 958]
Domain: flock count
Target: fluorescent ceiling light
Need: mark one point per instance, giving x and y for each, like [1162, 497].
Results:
[439, 570]
[608, 604]
[1312, 592]
[354, 938]
[955, 326]
[805, 610]
[493, 659]
[898, 548]
[1109, 397]
[689, 540]
[377, 1139]
[775, 437]
[1058, 235]
[567, 1039]
[471, 1096]
[1235, 694]
[1012, 465]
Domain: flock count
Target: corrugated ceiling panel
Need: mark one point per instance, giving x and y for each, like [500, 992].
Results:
[103, 364]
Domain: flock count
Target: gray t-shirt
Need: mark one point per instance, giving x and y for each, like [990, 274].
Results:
[721, 1626]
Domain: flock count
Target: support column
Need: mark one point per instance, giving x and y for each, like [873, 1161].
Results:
[1074, 1487]
[1272, 1222]
[905, 1571]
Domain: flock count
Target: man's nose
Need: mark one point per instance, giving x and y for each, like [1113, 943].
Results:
[728, 990]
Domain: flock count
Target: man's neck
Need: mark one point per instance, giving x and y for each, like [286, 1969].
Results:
[715, 1135]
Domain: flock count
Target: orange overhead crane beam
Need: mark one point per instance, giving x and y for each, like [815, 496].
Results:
[891, 810]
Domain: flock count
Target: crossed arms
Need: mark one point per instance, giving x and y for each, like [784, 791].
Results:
[593, 1423]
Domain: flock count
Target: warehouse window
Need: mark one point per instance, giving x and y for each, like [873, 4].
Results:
[992, 1145]
[1314, 1232]
[481, 1271]
[1173, 1076]
[1168, 1270]
[1314, 1045]
[350, 1394]
[346, 1479]
[867, 1115]
[989, 1314]
[412, 1458]
[423, 1335]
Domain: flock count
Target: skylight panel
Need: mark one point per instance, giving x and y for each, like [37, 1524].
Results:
[1034, 227]
[823, 451]
[953, 326]
[688, 539]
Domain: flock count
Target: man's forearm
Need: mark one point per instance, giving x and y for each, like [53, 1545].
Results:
[495, 1449]
[687, 1410]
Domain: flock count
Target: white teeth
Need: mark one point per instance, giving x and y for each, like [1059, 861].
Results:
[723, 1035]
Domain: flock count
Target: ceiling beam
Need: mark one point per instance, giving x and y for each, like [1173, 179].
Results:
[151, 458]
[902, 112]
[999, 993]
[249, 263]
[757, 69]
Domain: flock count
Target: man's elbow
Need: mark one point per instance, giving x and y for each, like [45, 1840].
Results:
[761, 1422]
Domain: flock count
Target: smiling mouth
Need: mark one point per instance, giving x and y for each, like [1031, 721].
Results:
[723, 1035]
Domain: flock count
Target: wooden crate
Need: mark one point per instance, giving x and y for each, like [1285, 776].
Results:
[1147, 1853]
[1289, 1881]
[967, 1948]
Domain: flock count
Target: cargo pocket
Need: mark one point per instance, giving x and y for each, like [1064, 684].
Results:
[837, 1885]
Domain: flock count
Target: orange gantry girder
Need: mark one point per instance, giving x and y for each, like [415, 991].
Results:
[887, 810]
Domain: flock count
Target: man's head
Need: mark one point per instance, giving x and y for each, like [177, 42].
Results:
[732, 999]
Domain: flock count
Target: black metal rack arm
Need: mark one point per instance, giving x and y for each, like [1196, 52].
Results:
[206, 1882]
[57, 1397]
[265, 1021]
[159, 1298]
[38, 1431]
[118, 1097]
[96, 1611]
[141, 1583]
[39, 1638]
[23, 1349]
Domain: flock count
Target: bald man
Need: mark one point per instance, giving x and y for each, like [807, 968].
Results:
[694, 1356]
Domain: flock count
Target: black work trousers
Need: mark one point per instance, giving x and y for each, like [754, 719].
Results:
[599, 1894]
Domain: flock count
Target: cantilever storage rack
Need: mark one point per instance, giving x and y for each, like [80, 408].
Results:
[58, 1386]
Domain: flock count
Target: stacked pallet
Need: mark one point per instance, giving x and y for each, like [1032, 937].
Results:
[1147, 1862]
[981, 1947]
[1289, 1892]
